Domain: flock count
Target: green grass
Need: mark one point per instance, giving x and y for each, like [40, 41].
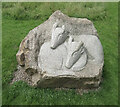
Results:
[42, 11]
[20, 18]
[0, 76]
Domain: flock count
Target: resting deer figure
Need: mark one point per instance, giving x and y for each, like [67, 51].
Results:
[72, 55]
[76, 55]
[76, 51]
[59, 35]
[91, 43]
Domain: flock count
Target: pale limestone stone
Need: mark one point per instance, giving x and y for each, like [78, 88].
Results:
[52, 58]
[52, 71]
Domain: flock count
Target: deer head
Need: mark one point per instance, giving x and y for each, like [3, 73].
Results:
[75, 50]
[58, 35]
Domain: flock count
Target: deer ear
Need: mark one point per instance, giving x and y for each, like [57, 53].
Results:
[55, 25]
[63, 27]
[81, 43]
[70, 40]
[66, 44]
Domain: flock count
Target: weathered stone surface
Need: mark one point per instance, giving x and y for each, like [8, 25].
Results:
[52, 59]
[45, 63]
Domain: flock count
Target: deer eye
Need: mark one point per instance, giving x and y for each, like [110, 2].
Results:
[59, 36]
[74, 53]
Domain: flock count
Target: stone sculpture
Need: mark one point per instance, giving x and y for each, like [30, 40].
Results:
[75, 51]
[58, 35]
[56, 59]
[62, 52]
[76, 55]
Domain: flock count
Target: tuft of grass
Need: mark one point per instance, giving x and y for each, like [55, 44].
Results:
[16, 26]
[41, 10]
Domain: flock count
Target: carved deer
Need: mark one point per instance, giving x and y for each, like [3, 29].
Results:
[76, 55]
[59, 35]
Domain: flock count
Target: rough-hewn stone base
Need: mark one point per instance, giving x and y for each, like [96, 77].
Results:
[66, 79]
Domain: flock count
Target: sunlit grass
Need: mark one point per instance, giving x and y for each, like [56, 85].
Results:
[20, 18]
[24, 11]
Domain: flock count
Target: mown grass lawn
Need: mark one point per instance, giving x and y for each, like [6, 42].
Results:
[19, 18]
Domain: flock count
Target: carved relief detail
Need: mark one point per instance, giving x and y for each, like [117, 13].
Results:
[62, 53]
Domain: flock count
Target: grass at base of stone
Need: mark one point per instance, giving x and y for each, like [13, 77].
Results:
[19, 93]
